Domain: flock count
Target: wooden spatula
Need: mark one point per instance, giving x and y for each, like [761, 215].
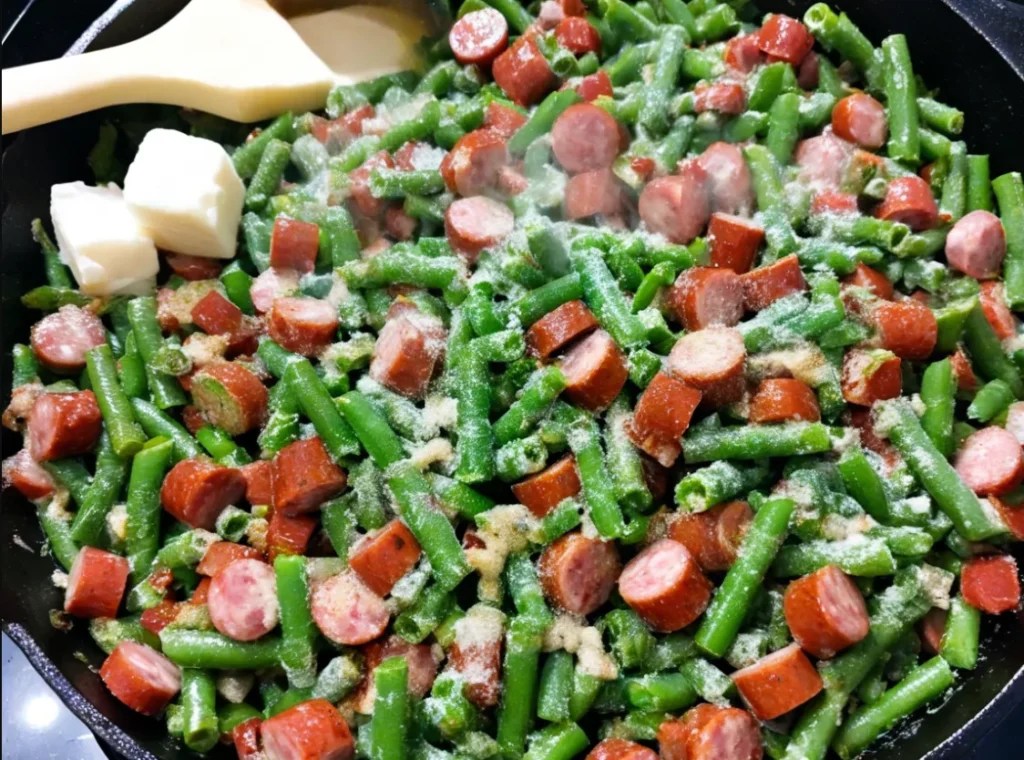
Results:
[239, 59]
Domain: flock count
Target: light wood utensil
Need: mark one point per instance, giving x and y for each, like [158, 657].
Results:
[240, 59]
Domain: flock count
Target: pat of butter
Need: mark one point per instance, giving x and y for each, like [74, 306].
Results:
[186, 193]
[101, 240]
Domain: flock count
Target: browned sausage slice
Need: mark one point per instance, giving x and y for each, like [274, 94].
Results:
[294, 244]
[63, 425]
[347, 612]
[476, 655]
[825, 612]
[479, 37]
[243, 600]
[621, 749]
[558, 328]
[407, 352]
[977, 245]
[305, 477]
[661, 417]
[595, 371]
[474, 162]
[778, 683]
[311, 729]
[303, 325]
[665, 587]
[676, 206]
[585, 138]
[61, 339]
[708, 359]
[578, 573]
[705, 297]
[733, 242]
[196, 491]
[991, 462]
[991, 583]
[475, 223]
[729, 184]
[764, 286]
[96, 583]
[596, 193]
[542, 492]
[713, 537]
[230, 396]
[871, 375]
[523, 72]
[141, 677]
[907, 328]
[383, 557]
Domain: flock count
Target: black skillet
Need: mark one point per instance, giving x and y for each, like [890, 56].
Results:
[974, 49]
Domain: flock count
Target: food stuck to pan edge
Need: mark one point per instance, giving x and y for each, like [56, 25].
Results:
[639, 381]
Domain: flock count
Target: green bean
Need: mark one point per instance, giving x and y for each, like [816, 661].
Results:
[628, 22]
[761, 442]
[959, 645]
[539, 393]
[840, 34]
[865, 558]
[541, 121]
[527, 596]
[555, 687]
[556, 742]
[715, 23]
[954, 189]
[219, 445]
[126, 436]
[519, 678]
[109, 632]
[668, 61]
[987, 354]
[632, 643]
[71, 475]
[475, 444]
[718, 482]
[782, 126]
[626, 66]
[57, 275]
[992, 399]
[165, 389]
[198, 702]
[56, 526]
[432, 607]
[725, 614]
[246, 157]
[317, 404]
[624, 462]
[864, 484]
[979, 187]
[390, 710]
[606, 300]
[156, 423]
[520, 457]
[297, 629]
[901, 94]
[767, 87]
[50, 298]
[396, 183]
[938, 388]
[398, 267]
[1009, 190]
[940, 116]
[25, 366]
[598, 488]
[269, 172]
[540, 301]
[208, 649]
[143, 506]
[458, 497]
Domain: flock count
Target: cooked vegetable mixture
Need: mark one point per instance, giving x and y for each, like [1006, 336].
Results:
[640, 381]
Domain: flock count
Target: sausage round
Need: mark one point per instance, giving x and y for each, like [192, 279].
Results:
[476, 655]
[661, 417]
[347, 612]
[479, 37]
[216, 315]
[383, 557]
[710, 732]
[419, 657]
[665, 587]
[503, 120]
[822, 160]
[1015, 421]
[909, 200]
[783, 38]
[825, 612]
[362, 198]
[778, 683]
[558, 328]
[860, 119]
[743, 54]
[305, 477]
[542, 492]
[311, 729]
[475, 223]
[621, 749]
[721, 97]
[991, 583]
[595, 371]
[523, 72]
[407, 352]
[473, 163]
[294, 244]
[708, 358]
[304, 325]
[729, 184]
[676, 207]
[593, 86]
[990, 462]
[907, 328]
[871, 280]
[223, 553]
[289, 535]
[733, 242]
[196, 491]
[764, 286]
[141, 677]
[63, 425]
[591, 194]
[578, 35]
[259, 483]
[704, 297]
[578, 573]
[997, 312]
[25, 474]
[713, 537]
[270, 285]
[193, 267]
[96, 583]
[61, 339]
[870, 376]
[230, 396]
[585, 138]
[782, 399]
[243, 600]
[977, 245]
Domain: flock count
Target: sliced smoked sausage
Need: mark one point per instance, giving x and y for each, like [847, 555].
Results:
[661, 417]
[783, 38]
[63, 425]
[664, 586]
[991, 583]
[733, 242]
[407, 352]
[676, 207]
[383, 557]
[578, 573]
[523, 72]
[710, 732]
[977, 245]
[705, 297]
[542, 492]
[473, 164]
[729, 184]
[782, 399]
[621, 749]
[825, 612]
[908, 328]
[714, 536]
[709, 360]
[230, 396]
[304, 325]
[871, 375]
[765, 285]
[558, 328]
[61, 340]
[479, 37]
[595, 371]
[860, 119]
[909, 200]
[141, 677]
[96, 583]
[778, 682]
[310, 729]
[596, 193]
[585, 138]
[305, 477]
[475, 223]
[347, 612]
[990, 462]
[294, 244]
[196, 491]
[243, 600]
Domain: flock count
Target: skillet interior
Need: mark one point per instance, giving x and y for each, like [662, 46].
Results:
[946, 50]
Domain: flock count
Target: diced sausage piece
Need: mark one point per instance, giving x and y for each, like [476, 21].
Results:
[155, 619]
[705, 296]
[216, 315]
[991, 583]
[572, 7]
[1012, 515]
[305, 477]
[335, 133]
[595, 371]
[743, 54]
[523, 72]
[475, 223]
[585, 138]
[966, 380]
[270, 285]
[25, 474]
[294, 244]
[871, 375]
[223, 553]
[312, 730]
[382, 558]
[362, 199]
[825, 612]
[593, 193]
[196, 491]
[473, 163]
[547, 489]
[778, 683]
[479, 37]
[907, 328]
[764, 286]
[304, 325]
[578, 35]
[476, 655]
[733, 241]
[230, 396]
[990, 462]
[407, 352]
[644, 166]
[822, 160]
[664, 586]
[289, 535]
[834, 202]
[259, 482]
[558, 328]
[808, 74]
[932, 626]
[63, 425]
[503, 120]
[141, 677]
[578, 573]
[713, 537]
[782, 399]
[710, 732]
[720, 97]
[708, 358]
[977, 245]
[246, 739]
[871, 280]
[96, 583]
[243, 600]
[997, 313]
[61, 339]
[419, 657]
[909, 200]
[1015, 421]
[347, 612]
[661, 417]
[593, 86]
[783, 38]
[512, 182]
[676, 206]
[860, 119]
[193, 268]
[729, 185]
[621, 749]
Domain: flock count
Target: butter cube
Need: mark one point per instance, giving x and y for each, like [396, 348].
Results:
[186, 194]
